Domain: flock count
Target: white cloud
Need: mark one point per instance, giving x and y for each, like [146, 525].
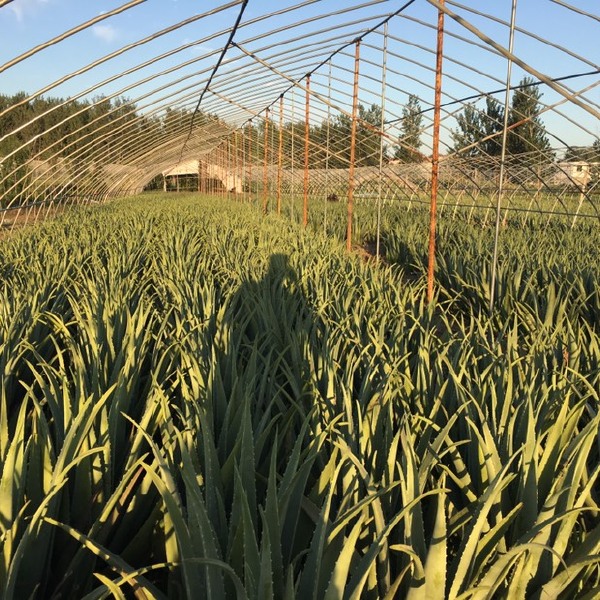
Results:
[25, 8]
[106, 33]
[198, 49]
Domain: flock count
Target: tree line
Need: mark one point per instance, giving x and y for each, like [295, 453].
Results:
[329, 140]
[479, 132]
[99, 131]
[104, 130]
[47, 128]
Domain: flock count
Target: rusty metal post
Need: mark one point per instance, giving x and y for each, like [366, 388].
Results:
[244, 163]
[435, 154]
[306, 134]
[353, 148]
[280, 155]
[219, 170]
[224, 164]
[293, 161]
[327, 149]
[266, 158]
[249, 164]
[227, 162]
[235, 169]
[256, 171]
[239, 184]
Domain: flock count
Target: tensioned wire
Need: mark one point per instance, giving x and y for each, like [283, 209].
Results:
[257, 99]
[160, 33]
[214, 71]
[117, 94]
[69, 33]
[263, 62]
[576, 9]
[518, 61]
[111, 56]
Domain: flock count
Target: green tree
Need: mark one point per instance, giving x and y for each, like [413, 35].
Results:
[368, 136]
[409, 140]
[469, 133]
[339, 141]
[527, 133]
[492, 123]
[176, 121]
[479, 132]
[583, 153]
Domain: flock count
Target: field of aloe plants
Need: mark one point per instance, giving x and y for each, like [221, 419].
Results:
[201, 402]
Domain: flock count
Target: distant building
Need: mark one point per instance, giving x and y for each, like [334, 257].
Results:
[195, 175]
[576, 172]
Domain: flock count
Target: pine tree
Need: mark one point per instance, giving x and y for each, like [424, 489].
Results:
[367, 136]
[469, 133]
[492, 122]
[409, 140]
[480, 132]
[528, 134]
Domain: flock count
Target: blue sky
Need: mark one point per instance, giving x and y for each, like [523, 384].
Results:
[26, 23]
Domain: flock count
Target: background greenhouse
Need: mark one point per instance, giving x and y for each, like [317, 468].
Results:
[299, 300]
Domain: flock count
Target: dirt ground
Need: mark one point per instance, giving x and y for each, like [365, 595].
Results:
[16, 218]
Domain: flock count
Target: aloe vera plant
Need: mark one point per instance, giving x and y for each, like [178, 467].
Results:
[199, 401]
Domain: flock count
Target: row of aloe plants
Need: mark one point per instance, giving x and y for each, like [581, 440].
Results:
[201, 402]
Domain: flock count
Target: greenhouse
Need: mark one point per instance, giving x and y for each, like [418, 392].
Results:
[299, 299]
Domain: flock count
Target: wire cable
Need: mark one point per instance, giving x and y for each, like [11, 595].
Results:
[214, 71]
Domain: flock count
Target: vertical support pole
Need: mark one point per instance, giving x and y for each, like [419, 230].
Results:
[235, 167]
[293, 147]
[228, 171]
[327, 149]
[280, 155]
[244, 196]
[353, 148]
[227, 167]
[214, 157]
[223, 164]
[266, 158]
[271, 185]
[582, 188]
[239, 173]
[256, 171]
[306, 134]
[220, 169]
[249, 157]
[381, 142]
[435, 155]
[503, 155]
[215, 171]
